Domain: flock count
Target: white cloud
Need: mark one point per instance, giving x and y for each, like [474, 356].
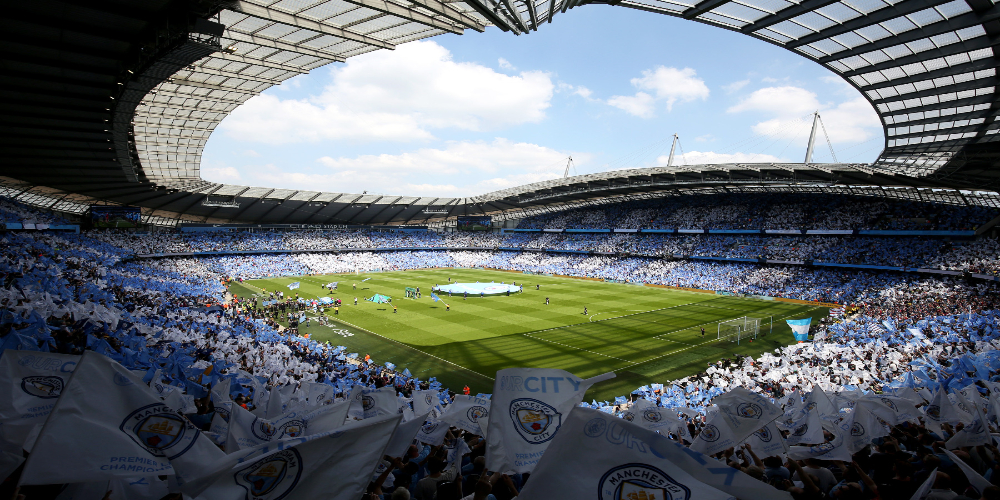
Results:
[251, 153]
[399, 95]
[705, 138]
[668, 85]
[641, 104]
[735, 86]
[789, 109]
[711, 158]
[458, 169]
[220, 173]
[505, 64]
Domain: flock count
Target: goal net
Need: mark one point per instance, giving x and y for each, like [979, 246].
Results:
[739, 329]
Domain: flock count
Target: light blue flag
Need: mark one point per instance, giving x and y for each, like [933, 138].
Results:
[293, 286]
[434, 297]
[800, 328]
[390, 366]
[364, 280]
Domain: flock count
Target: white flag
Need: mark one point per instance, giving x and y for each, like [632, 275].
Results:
[219, 427]
[423, 401]
[975, 479]
[837, 449]
[403, 436]
[32, 382]
[741, 412]
[767, 441]
[615, 459]
[332, 466]
[893, 410]
[808, 429]
[973, 434]
[108, 423]
[926, 486]
[220, 391]
[650, 416]
[248, 431]
[530, 405]
[432, 432]
[379, 402]
[465, 411]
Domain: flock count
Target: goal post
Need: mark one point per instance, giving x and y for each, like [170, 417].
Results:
[738, 329]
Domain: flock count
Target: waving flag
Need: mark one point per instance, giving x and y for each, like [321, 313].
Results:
[364, 280]
[293, 286]
[34, 381]
[800, 328]
[434, 297]
[465, 413]
[123, 431]
[530, 406]
[617, 460]
[334, 466]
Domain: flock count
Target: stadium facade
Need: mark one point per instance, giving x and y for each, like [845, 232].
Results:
[113, 102]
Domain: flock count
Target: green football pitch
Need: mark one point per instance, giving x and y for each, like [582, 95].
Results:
[644, 334]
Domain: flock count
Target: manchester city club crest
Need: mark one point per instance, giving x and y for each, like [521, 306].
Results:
[45, 387]
[262, 429]
[652, 416]
[764, 434]
[535, 421]
[477, 412]
[934, 412]
[223, 412]
[428, 398]
[161, 430]
[801, 431]
[367, 403]
[595, 427]
[640, 481]
[273, 476]
[628, 416]
[429, 428]
[291, 429]
[811, 406]
[857, 429]
[710, 433]
[749, 410]
[888, 402]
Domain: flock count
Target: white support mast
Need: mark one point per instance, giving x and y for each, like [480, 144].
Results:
[670, 160]
[812, 138]
[569, 162]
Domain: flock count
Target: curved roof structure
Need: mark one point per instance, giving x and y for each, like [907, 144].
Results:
[115, 101]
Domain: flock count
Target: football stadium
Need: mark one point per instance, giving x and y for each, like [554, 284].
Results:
[749, 328]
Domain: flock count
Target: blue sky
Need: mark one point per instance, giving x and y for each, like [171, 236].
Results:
[465, 115]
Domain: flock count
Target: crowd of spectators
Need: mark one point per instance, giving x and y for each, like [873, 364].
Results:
[908, 335]
[767, 211]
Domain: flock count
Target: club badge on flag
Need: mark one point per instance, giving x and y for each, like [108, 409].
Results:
[34, 381]
[613, 460]
[335, 466]
[529, 406]
[465, 412]
[800, 328]
[123, 431]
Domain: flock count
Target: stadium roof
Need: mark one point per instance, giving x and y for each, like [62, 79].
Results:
[114, 101]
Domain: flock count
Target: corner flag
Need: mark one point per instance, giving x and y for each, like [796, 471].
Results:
[800, 328]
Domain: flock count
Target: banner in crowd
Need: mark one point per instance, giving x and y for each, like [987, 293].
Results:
[529, 406]
[294, 285]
